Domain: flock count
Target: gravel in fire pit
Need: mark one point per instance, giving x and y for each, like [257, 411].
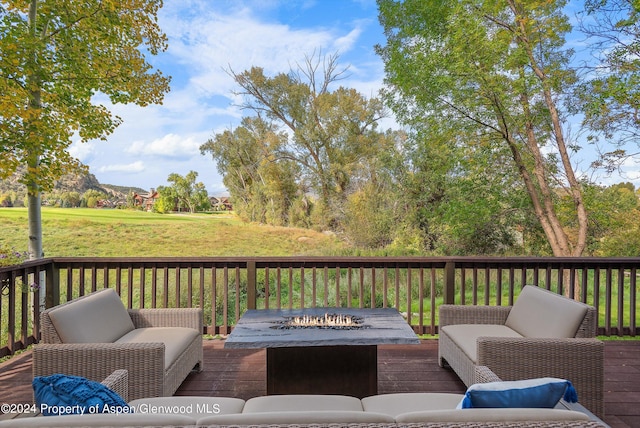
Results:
[331, 321]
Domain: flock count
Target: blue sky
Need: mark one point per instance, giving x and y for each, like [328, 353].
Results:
[207, 37]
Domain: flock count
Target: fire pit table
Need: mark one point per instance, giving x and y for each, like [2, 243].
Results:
[321, 350]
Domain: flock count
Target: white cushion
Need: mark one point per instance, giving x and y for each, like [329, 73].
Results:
[193, 406]
[466, 336]
[395, 404]
[175, 339]
[297, 417]
[99, 317]
[540, 313]
[491, 415]
[302, 402]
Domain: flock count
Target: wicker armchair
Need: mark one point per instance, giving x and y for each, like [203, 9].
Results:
[156, 364]
[579, 358]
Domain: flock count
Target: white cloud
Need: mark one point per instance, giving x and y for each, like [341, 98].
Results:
[213, 43]
[81, 151]
[170, 145]
[345, 43]
[631, 170]
[206, 39]
[133, 167]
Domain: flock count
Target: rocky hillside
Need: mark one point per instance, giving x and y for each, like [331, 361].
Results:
[80, 183]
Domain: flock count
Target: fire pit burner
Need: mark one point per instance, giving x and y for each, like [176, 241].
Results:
[332, 321]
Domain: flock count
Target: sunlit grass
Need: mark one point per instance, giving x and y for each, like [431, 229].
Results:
[86, 232]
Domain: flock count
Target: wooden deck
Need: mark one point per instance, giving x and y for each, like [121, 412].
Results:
[401, 368]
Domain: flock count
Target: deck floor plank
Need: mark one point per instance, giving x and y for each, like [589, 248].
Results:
[401, 368]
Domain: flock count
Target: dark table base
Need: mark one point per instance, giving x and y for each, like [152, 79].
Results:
[343, 370]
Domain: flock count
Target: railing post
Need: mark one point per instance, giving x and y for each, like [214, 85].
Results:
[251, 284]
[449, 289]
[52, 288]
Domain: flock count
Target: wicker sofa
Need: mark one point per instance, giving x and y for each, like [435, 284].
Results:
[94, 335]
[543, 334]
[413, 410]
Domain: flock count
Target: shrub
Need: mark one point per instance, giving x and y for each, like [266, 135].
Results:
[10, 257]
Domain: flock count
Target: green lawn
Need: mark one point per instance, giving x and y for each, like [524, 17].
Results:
[87, 232]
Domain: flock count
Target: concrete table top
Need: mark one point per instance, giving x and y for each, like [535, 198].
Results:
[259, 328]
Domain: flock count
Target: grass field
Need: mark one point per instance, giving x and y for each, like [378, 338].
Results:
[87, 232]
[122, 233]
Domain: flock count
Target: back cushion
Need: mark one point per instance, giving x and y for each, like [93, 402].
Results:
[97, 318]
[541, 313]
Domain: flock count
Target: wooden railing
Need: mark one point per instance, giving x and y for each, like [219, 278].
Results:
[225, 287]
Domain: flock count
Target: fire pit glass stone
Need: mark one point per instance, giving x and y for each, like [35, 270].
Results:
[332, 321]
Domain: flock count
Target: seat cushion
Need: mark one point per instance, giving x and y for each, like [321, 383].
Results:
[300, 402]
[321, 417]
[540, 313]
[490, 415]
[99, 317]
[194, 406]
[466, 335]
[175, 339]
[396, 404]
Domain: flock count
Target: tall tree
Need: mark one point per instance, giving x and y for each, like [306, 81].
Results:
[492, 72]
[189, 194]
[56, 58]
[263, 185]
[330, 129]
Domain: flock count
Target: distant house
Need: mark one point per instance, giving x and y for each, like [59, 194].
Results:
[105, 203]
[220, 203]
[146, 200]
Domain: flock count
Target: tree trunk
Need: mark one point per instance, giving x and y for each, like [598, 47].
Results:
[35, 226]
[544, 209]
[565, 248]
[33, 189]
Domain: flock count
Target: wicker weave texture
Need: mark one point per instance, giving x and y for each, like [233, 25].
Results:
[470, 314]
[143, 361]
[484, 374]
[579, 359]
[118, 382]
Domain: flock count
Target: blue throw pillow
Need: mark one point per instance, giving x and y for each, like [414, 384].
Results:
[531, 393]
[63, 395]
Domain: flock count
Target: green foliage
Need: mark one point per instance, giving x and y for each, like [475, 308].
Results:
[615, 220]
[184, 194]
[166, 202]
[190, 194]
[330, 148]
[56, 57]
[10, 257]
[476, 82]
[370, 220]
[261, 183]
[90, 198]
